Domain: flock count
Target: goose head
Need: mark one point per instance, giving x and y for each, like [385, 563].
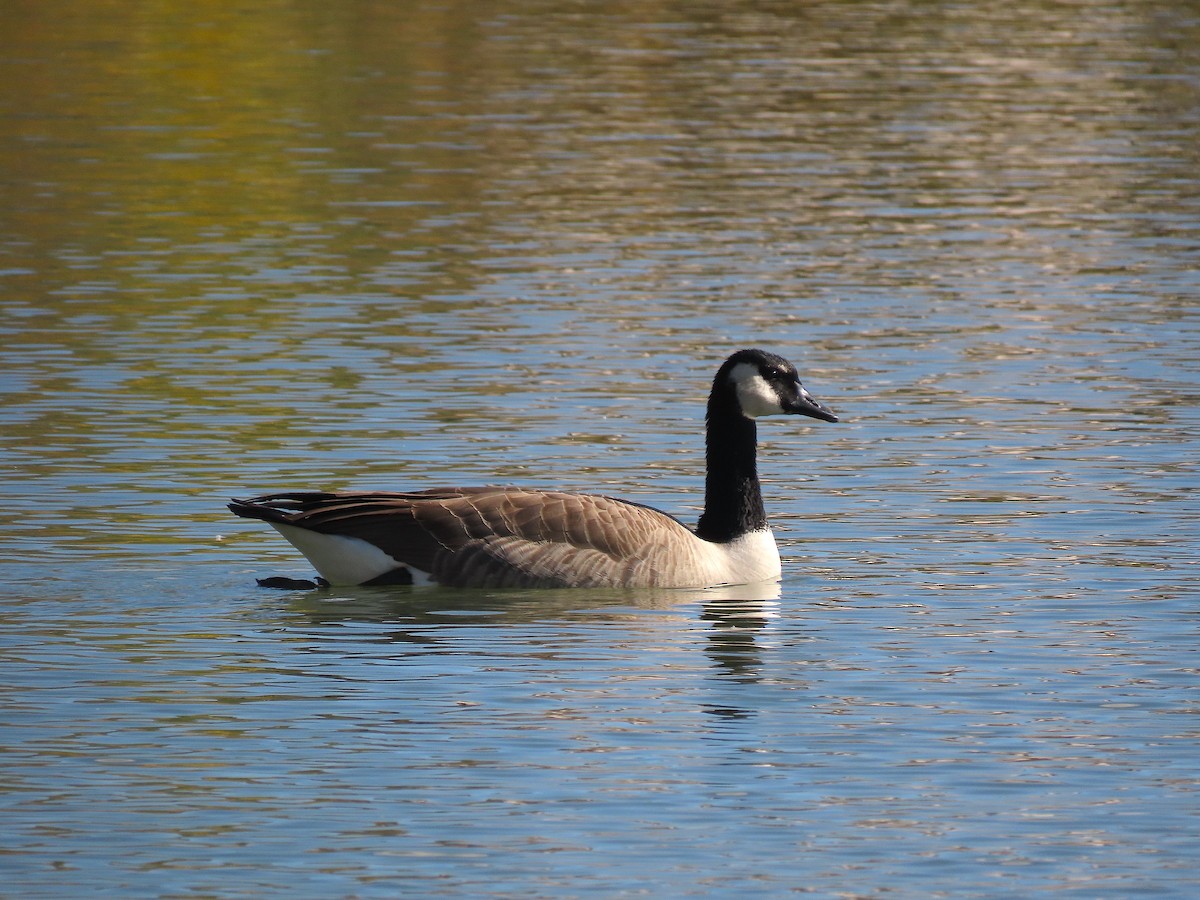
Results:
[753, 383]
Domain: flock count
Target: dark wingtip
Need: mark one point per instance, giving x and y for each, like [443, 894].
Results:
[251, 509]
[240, 508]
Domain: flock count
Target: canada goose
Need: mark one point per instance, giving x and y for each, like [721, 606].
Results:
[513, 537]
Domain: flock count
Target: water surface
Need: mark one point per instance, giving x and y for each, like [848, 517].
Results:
[288, 245]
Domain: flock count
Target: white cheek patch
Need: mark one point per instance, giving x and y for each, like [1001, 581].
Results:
[755, 395]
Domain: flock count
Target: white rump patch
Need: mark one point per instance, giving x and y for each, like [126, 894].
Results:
[755, 394]
[344, 560]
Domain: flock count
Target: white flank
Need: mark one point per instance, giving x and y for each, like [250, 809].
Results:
[343, 560]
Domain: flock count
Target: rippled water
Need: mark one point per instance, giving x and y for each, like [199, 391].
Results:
[257, 247]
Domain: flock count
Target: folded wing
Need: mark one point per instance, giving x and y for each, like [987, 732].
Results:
[500, 537]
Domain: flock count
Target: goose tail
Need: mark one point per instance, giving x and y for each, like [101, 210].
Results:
[274, 508]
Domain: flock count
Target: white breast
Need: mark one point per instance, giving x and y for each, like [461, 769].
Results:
[750, 558]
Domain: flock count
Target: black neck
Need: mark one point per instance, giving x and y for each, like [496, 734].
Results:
[733, 502]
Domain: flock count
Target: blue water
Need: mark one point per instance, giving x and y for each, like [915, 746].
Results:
[299, 246]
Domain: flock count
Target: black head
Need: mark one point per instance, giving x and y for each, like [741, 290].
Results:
[763, 384]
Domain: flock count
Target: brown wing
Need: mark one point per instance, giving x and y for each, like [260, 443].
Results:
[500, 537]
